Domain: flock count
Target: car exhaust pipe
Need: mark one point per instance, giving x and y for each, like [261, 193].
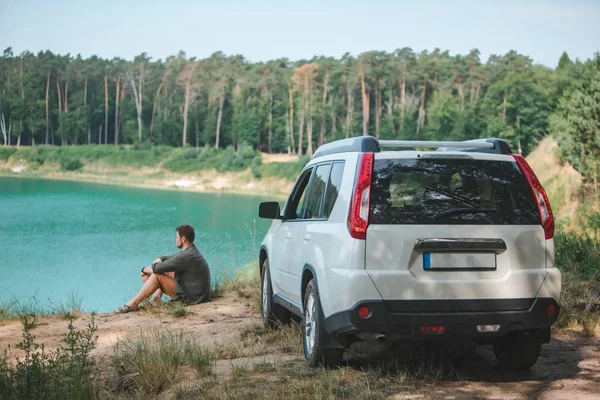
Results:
[372, 337]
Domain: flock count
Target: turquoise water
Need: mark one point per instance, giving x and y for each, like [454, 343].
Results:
[62, 240]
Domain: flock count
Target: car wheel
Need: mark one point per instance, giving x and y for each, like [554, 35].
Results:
[516, 351]
[272, 314]
[311, 325]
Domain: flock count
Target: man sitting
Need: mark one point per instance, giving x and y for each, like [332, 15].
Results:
[182, 276]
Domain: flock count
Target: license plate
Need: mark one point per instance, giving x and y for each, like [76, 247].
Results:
[459, 261]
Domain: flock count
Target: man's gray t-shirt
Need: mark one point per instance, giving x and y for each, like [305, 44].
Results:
[192, 276]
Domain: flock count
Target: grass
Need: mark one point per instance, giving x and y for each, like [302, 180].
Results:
[153, 362]
[283, 170]
[178, 310]
[258, 341]
[68, 308]
[17, 309]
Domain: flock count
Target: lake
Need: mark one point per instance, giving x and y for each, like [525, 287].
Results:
[61, 240]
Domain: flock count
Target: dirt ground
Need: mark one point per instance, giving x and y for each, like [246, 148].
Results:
[569, 366]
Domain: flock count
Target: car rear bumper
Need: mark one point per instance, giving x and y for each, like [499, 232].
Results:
[458, 317]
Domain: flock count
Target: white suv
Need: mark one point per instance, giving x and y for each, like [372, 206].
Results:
[405, 244]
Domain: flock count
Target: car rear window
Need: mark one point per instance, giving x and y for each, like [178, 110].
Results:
[451, 191]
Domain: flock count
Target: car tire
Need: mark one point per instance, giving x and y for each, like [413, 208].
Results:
[312, 323]
[516, 351]
[272, 314]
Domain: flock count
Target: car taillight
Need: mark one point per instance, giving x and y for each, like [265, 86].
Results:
[358, 217]
[539, 193]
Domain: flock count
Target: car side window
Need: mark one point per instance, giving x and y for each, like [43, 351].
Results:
[333, 188]
[296, 201]
[316, 192]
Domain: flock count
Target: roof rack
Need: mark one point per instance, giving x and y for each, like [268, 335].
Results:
[371, 144]
[360, 143]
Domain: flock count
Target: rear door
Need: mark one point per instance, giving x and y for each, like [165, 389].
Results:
[285, 239]
[453, 226]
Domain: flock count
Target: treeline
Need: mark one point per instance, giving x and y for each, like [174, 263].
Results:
[279, 105]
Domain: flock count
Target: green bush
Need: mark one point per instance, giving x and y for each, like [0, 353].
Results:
[237, 161]
[190, 159]
[66, 373]
[6, 152]
[256, 161]
[579, 253]
[70, 164]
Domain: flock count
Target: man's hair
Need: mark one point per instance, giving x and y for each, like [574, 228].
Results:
[187, 232]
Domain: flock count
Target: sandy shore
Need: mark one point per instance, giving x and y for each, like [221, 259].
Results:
[155, 178]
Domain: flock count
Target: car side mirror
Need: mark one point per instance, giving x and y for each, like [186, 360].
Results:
[269, 210]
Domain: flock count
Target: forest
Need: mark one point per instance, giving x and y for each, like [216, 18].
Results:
[283, 105]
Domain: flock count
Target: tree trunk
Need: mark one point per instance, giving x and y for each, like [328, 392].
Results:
[5, 131]
[349, 112]
[58, 91]
[390, 112]
[117, 93]
[270, 123]
[421, 118]
[308, 115]
[20, 131]
[377, 109]
[477, 92]
[85, 111]
[66, 99]
[300, 133]
[402, 100]
[333, 118]
[47, 114]
[106, 108]
[309, 126]
[186, 105]
[323, 122]
[138, 97]
[219, 116]
[291, 100]
[365, 102]
[164, 79]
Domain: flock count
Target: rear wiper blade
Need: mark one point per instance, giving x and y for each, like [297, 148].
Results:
[469, 210]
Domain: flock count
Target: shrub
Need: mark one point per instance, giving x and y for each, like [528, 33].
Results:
[66, 373]
[256, 161]
[6, 152]
[70, 164]
[579, 253]
[237, 161]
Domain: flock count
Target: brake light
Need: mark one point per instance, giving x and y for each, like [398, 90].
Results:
[539, 193]
[358, 217]
[436, 329]
[363, 312]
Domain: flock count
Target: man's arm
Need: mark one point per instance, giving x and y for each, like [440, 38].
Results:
[148, 270]
[178, 262]
[165, 258]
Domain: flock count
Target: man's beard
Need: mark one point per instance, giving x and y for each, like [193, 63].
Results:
[180, 245]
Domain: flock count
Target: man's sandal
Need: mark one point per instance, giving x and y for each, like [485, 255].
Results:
[125, 309]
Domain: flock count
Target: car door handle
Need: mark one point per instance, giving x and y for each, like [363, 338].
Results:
[288, 236]
[306, 238]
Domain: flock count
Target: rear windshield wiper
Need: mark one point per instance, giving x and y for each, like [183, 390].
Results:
[469, 210]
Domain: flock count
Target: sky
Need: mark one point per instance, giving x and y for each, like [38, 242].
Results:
[268, 29]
